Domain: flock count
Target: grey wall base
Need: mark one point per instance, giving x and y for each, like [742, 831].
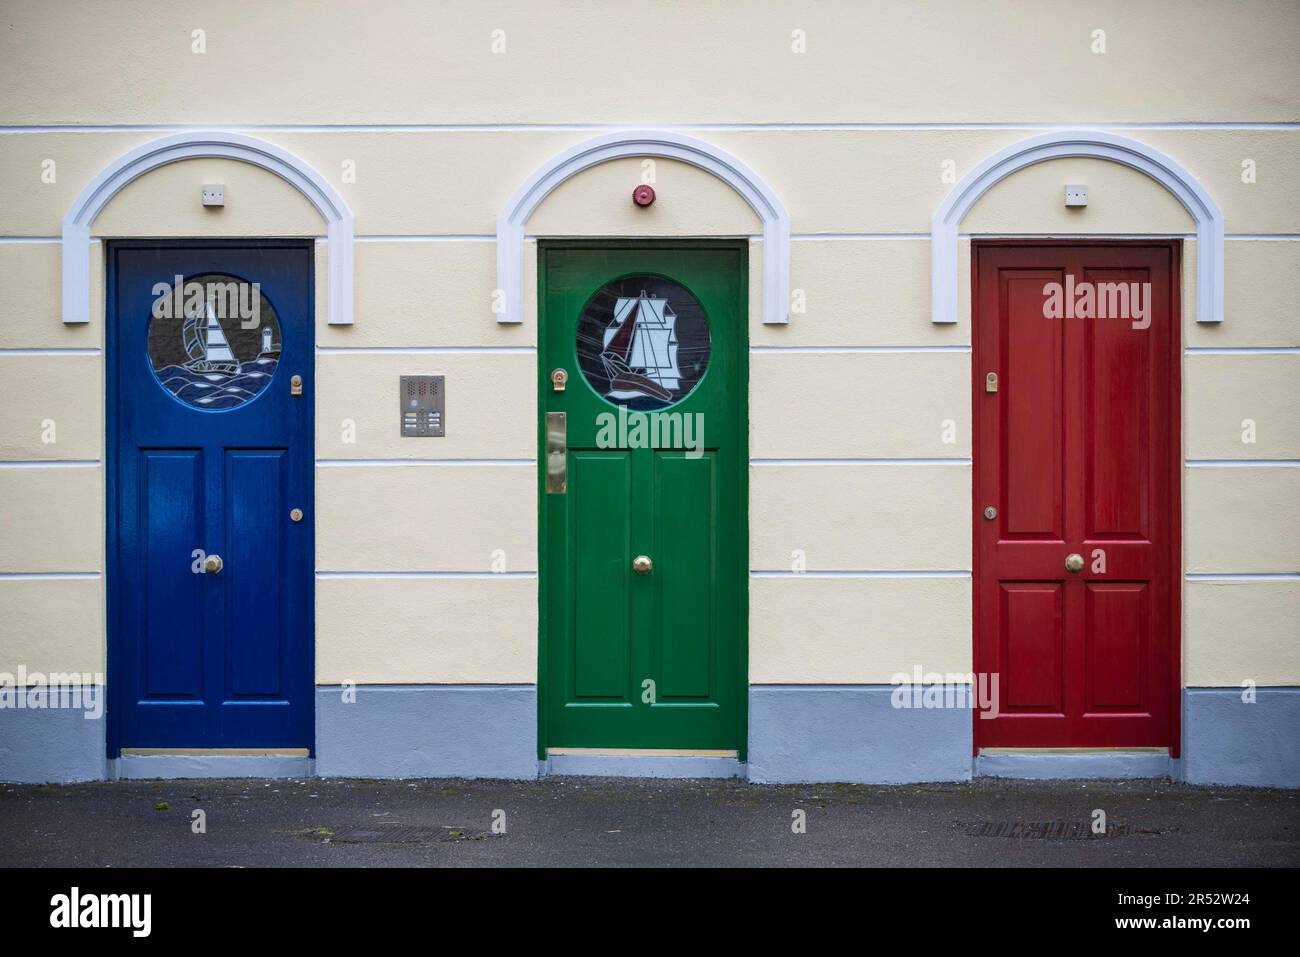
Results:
[427, 731]
[797, 733]
[50, 745]
[1226, 741]
[853, 733]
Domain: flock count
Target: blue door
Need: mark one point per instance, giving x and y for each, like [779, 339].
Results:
[210, 555]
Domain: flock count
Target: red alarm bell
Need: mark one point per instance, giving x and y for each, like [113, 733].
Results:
[643, 195]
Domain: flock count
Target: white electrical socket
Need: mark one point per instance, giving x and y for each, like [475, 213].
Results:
[1076, 195]
[214, 194]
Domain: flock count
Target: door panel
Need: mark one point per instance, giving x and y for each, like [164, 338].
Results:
[687, 634]
[1032, 355]
[209, 452]
[255, 507]
[651, 335]
[601, 537]
[174, 631]
[1077, 450]
[1032, 660]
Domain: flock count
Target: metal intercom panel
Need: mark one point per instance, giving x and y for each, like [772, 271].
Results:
[423, 401]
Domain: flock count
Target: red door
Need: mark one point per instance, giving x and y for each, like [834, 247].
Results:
[1076, 447]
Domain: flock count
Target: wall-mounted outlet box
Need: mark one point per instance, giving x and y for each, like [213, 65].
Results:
[1076, 195]
[214, 194]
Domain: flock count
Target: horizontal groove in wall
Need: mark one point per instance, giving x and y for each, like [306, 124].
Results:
[397, 463]
[1243, 463]
[404, 574]
[859, 349]
[1242, 576]
[422, 350]
[449, 686]
[50, 351]
[756, 573]
[51, 464]
[52, 576]
[809, 127]
[427, 238]
[1242, 350]
[795, 237]
[860, 461]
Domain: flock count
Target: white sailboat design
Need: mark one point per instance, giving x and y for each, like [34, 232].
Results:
[206, 345]
[640, 349]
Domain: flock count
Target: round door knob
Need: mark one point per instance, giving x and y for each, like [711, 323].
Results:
[212, 564]
[1074, 562]
[642, 564]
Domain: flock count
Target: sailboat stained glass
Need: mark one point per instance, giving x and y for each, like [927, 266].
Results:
[643, 342]
[210, 355]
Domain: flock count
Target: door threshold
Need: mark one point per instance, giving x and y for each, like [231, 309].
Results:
[649, 752]
[1065, 763]
[138, 763]
[1074, 750]
[642, 763]
[228, 752]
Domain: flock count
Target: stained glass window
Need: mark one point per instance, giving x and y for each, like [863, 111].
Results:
[214, 341]
[643, 342]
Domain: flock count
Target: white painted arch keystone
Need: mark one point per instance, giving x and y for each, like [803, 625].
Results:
[1061, 144]
[665, 144]
[196, 144]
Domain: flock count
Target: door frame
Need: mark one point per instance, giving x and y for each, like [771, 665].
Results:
[112, 609]
[742, 450]
[1175, 464]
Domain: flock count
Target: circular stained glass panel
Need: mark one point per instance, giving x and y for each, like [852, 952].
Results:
[215, 343]
[643, 342]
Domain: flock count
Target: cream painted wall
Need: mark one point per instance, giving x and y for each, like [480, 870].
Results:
[806, 629]
[52, 625]
[860, 198]
[435, 631]
[1241, 631]
[892, 61]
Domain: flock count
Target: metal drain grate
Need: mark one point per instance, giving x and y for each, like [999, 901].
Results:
[1051, 830]
[402, 834]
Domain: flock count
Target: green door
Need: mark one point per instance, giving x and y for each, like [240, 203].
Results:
[650, 337]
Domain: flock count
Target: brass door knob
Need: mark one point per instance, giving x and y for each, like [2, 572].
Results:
[642, 564]
[1074, 562]
[212, 565]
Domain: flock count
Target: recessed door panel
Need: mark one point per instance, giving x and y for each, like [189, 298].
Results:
[1032, 405]
[602, 612]
[1032, 653]
[686, 526]
[171, 506]
[255, 508]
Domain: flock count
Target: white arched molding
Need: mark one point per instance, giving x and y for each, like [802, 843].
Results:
[194, 145]
[1070, 143]
[642, 143]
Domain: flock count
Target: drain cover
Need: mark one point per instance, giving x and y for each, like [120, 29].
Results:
[402, 834]
[1051, 830]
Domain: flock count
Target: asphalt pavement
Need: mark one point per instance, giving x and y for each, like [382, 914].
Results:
[642, 822]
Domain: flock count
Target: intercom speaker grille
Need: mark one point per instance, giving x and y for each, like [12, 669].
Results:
[422, 406]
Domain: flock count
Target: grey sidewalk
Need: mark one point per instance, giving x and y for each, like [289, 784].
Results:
[602, 821]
